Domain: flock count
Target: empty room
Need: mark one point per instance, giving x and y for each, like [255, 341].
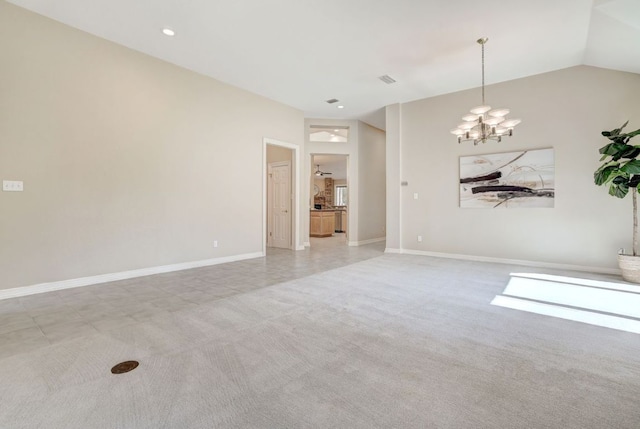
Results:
[325, 214]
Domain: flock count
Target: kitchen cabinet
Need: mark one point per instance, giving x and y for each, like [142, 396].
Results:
[322, 223]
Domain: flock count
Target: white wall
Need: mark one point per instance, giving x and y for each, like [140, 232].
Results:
[372, 181]
[128, 162]
[566, 110]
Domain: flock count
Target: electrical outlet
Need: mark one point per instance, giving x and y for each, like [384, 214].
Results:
[419, 239]
[215, 243]
[415, 195]
[13, 185]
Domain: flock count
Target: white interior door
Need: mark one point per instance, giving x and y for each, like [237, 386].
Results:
[280, 205]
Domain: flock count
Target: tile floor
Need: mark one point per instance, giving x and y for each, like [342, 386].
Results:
[36, 321]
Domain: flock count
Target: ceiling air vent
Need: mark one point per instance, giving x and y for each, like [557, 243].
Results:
[333, 100]
[387, 79]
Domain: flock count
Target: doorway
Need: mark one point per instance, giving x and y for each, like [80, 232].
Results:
[328, 223]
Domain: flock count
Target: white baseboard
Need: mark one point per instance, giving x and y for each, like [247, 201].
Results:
[104, 278]
[307, 244]
[539, 264]
[392, 250]
[300, 247]
[363, 242]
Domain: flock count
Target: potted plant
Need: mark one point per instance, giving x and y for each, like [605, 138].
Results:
[621, 171]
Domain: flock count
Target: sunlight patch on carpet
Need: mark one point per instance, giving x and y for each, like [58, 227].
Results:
[607, 304]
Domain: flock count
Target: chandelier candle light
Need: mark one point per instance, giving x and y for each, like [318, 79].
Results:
[482, 123]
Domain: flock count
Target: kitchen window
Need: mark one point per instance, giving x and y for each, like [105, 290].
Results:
[341, 195]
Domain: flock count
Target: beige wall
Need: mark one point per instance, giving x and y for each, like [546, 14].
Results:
[566, 110]
[319, 183]
[128, 162]
[372, 179]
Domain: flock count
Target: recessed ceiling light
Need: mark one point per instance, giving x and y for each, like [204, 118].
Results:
[337, 131]
[168, 32]
[340, 107]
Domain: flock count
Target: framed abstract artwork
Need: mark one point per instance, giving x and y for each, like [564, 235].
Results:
[508, 180]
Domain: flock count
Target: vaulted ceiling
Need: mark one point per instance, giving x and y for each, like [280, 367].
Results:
[304, 52]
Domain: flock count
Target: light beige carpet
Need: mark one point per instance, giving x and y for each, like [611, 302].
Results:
[393, 342]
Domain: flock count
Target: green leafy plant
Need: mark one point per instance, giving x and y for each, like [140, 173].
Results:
[621, 170]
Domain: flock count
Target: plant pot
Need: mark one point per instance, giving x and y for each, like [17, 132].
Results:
[630, 267]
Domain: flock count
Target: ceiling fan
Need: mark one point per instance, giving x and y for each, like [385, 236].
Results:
[321, 173]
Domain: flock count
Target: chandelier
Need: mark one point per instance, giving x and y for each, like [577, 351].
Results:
[482, 123]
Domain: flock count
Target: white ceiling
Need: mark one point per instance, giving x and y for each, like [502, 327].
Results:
[303, 52]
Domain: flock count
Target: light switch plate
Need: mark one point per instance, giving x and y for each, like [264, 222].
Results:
[13, 185]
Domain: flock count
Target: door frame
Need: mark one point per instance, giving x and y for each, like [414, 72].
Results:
[270, 192]
[295, 190]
